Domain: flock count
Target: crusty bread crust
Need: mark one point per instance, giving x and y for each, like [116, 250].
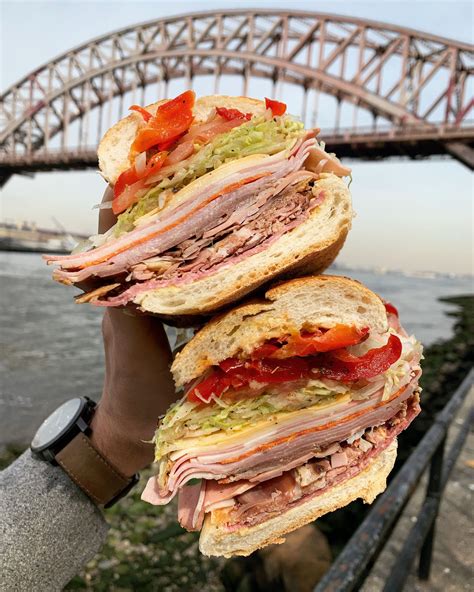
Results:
[314, 243]
[114, 148]
[367, 485]
[313, 263]
[309, 302]
[308, 248]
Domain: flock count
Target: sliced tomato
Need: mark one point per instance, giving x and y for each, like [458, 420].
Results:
[342, 366]
[171, 120]
[128, 197]
[390, 308]
[130, 183]
[181, 152]
[234, 373]
[166, 145]
[321, 341]
[202, 133]
[230, 114]
[276, 107]
[127, 178]
[143, 112]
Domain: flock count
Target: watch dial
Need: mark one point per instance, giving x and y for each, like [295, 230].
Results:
[57, 424]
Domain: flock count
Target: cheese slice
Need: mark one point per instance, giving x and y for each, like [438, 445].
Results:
[275, 422]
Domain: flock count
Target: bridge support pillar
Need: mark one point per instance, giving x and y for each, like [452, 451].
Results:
[462, 152]
[4, 177]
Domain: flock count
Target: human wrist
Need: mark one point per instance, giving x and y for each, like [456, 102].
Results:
[122, 445]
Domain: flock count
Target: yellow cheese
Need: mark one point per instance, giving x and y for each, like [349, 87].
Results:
[231, 437]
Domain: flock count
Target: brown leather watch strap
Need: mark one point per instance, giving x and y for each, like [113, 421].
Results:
[91, 471]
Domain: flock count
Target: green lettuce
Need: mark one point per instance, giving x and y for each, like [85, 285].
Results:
[259, 136]
[188, 420]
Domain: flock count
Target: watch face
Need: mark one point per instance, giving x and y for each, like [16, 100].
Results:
[57, 424]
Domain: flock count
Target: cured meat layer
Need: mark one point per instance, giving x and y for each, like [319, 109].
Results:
[275, 449]
[244, 503]
[198, 256]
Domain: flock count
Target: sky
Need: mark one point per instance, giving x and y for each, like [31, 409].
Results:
[410, 215]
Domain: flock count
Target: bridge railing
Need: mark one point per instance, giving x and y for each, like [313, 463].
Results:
[50, 153]
[353, 565]
[346, 134]
[400, 132]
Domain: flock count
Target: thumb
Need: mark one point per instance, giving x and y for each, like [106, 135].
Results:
[106, 217]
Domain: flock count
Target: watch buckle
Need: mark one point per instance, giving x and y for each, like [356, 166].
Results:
[124, 491]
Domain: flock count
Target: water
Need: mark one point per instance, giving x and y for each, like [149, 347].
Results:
[52, 347]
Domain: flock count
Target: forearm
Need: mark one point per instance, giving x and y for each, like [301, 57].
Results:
[138, 389]
[49, 529]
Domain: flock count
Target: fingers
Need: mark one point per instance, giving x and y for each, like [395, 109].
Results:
[106, 217]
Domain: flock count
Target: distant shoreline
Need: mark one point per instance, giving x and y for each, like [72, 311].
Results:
[423, 274]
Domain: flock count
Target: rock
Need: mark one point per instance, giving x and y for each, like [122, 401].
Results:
[299, 563]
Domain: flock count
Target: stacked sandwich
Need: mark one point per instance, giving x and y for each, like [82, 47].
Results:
[291, 403]
[213, 198]
[291, 409]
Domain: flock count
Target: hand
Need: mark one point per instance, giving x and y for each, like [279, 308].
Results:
[138, 385]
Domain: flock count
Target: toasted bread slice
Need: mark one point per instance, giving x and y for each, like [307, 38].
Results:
[304, 303]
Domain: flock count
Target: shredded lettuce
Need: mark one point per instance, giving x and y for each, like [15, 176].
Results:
[186, 419]
[399, 373]
[190, 420]
[258, 136]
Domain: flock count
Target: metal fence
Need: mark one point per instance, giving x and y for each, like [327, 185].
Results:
[356, 560]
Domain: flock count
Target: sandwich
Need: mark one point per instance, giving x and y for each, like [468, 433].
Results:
[213, 197]
[291, 409]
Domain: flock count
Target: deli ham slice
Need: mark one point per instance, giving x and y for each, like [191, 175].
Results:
[249, 503]
[183, 221]
[191, 506]
[219, 492]
[321, 161]
[272, 451]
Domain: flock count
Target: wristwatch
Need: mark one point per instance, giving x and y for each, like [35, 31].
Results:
[63, 439]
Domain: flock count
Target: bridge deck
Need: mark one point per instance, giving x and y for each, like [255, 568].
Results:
[362, 144]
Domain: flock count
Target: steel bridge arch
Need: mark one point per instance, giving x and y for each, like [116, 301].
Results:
[345, 57]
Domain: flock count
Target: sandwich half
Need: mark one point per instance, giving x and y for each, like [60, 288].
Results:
[291, 409]
[214, 197]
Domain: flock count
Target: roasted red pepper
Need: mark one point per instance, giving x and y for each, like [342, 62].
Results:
[130, 182]
[305, 344]
[170, 121]
[337, 365]
[391, 309]
[231, 114]
[345, 367]
[143, 112]
[276, 107]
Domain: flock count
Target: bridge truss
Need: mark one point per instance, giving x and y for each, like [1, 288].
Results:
[376, 90]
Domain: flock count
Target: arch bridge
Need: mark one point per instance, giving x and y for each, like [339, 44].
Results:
[376, 90]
